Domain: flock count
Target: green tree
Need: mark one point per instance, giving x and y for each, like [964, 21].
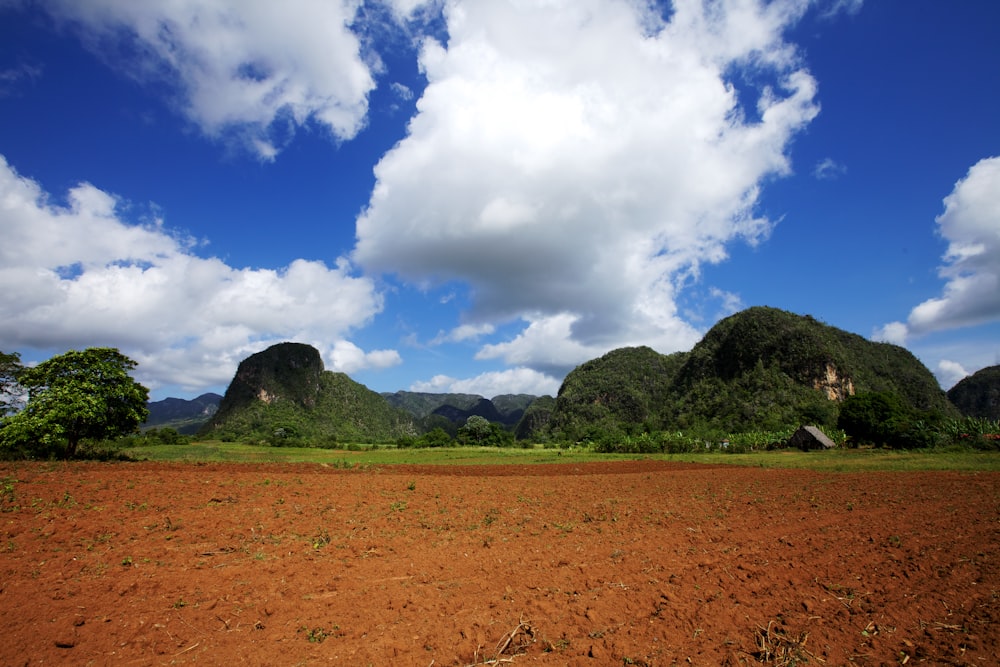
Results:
[475, 431]
[884, 418]
[10, 394]
[73, 397]
[436, 437]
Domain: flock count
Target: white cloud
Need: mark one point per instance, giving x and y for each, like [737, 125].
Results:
[12, 77]
[462, 333]
[346, 357]
[494, 383]
[949, 373]
[80, 276]
[576, 162]
[731, 303]
[828, 169]
[971, 226]
[402, 91]
[893, 332]
[253, 67]
[850, 7]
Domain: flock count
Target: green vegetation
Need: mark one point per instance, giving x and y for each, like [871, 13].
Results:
[283, 397]
[73, 397]
[744, 389]
[534, 423]
[359, 455]
[760, 370]
[184, 416]
[10, 390]
[363, 457]
[479, 431]
[885, 419]
[620, 393]
[423, 404]
[979, 394]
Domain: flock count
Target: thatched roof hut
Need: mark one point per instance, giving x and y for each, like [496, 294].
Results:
[810, 437]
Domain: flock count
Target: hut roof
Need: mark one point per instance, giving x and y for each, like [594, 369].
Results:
[810, 437]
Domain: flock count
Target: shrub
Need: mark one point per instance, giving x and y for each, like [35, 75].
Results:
[884, 419]
[436, 437]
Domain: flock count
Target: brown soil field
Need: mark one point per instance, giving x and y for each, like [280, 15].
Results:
[625, 563]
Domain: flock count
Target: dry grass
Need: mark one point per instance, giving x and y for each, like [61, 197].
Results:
[776, 647]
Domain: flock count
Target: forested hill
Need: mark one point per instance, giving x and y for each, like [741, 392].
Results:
[979, 394]
[505, 408]
[184, 416]
[762, 368]
[284, 395]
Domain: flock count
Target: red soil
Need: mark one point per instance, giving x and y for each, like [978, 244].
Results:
[599, 564]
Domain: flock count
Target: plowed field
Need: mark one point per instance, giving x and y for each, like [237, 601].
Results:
[644, 563]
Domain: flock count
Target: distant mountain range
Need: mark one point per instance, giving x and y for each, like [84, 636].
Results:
[505, 409]
[762, 368]
[184, 416]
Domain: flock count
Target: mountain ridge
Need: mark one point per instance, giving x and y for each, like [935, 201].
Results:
[761, 368]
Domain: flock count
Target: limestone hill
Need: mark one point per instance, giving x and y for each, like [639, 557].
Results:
[762, 368]
[284, 395]
[979, 394]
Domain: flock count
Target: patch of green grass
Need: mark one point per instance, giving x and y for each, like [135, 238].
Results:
[215, 451]
[856, 460]
[838, 460]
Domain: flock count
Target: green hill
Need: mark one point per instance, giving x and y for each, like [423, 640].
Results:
[505, 409]
[979, 394]
[283, 395]
[421, 404]
[762, 368]
[535, 419]
[184, 416]
[623, 390]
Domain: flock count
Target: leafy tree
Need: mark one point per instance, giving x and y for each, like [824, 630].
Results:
[884, 418]
[475, 431]
[10, 367]
[499, 436]
[436, 437]
[72, 397]
[479, 431]
[872, 417]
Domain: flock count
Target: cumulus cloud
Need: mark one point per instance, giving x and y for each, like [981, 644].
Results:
[511, 381]
[970, 224]
[893, 332]
[80, 275]
[255, 68]
[950, 372]
[346, 357]
[576, 163]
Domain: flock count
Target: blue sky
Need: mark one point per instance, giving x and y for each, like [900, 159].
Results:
[479, 196]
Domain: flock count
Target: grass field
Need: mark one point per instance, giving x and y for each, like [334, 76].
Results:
[841, 460]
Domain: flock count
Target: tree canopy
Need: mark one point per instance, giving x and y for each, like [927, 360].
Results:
[75, 396]
[10, 368]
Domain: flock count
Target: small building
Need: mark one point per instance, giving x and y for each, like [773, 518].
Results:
[810, 437]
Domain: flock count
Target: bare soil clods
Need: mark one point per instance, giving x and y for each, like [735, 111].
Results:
[599, 564]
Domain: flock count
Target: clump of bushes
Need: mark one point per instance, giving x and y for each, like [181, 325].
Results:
[884, 419]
